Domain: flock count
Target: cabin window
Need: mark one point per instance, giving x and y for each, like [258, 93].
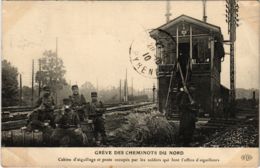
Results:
[200, 51]
[159, 52]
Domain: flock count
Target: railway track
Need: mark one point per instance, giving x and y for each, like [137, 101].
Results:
[245, 135]
[217, 132]
[236, 132]
[16, 117]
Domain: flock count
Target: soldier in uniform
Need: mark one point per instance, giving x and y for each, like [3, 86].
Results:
[68, 131]
[43, 114]
[187, 117]
[46, 98]
[96, 114]
[78, 102]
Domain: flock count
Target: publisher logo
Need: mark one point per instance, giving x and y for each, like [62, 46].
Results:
[246, 157]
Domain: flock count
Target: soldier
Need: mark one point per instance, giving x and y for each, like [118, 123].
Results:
[78, 102]
[68, 131]
[43, 114]
[46, 99]
[187, 117]
[96, 114]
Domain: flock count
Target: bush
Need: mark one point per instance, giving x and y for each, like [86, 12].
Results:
[146, 129]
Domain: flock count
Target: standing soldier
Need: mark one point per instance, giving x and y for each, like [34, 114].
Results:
[96, 114]
[78, 102]
[187, 117]
[43, 112]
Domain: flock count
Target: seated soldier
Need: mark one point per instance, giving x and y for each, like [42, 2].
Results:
[68, 131]
[43, 114]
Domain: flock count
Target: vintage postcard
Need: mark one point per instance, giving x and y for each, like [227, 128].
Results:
[130, 83]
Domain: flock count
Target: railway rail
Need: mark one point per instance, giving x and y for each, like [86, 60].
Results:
[210, 132]
[16, 117]
[244, 134]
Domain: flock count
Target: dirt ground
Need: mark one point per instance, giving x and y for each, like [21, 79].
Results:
[245, 135]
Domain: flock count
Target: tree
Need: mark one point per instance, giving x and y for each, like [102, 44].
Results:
[10, 95]
[52, 72]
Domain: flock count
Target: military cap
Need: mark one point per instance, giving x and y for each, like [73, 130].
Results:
[46, 88]
[93, 94]
[74, 86]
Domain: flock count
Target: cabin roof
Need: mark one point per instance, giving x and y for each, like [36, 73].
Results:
[191, 20]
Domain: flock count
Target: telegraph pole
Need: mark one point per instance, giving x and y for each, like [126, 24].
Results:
[97, 84]
[132, 88]
[153, 93]
[232, 20]
[56, 88]
[21, 90]
[120, 95]
[126, 87]
[40, 72]
[32, 99]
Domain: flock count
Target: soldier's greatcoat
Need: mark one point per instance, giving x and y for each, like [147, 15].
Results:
[67, 132]
[187, 119]
[78, 103]
[96, 113]
[43, 112]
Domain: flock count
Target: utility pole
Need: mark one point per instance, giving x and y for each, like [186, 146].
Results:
[32, 99]
[40, 83]
[204, 11]
[21, 90]
[132, 88]
[120, 95]
[232, 19]
[126, 88]
[97, 84]
[56, 88]
[168, 13]
[153, 93]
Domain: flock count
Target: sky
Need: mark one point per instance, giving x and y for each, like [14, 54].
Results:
[94, 37]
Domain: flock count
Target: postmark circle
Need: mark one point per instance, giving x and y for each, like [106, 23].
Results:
[142, 54]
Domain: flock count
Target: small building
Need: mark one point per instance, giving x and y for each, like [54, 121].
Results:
[190, 53]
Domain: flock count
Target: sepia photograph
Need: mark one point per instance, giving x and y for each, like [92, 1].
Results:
[130, 74]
